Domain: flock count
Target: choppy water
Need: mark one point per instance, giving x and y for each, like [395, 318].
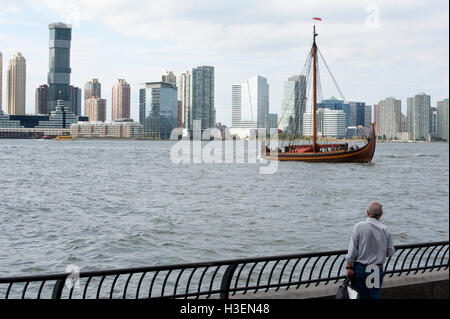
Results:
[109, 204]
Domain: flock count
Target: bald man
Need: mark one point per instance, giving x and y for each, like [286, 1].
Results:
[370, 244]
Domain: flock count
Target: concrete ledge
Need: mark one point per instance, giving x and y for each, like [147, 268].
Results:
[428, 285]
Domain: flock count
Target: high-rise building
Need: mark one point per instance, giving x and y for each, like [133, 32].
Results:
[329, 123]
[159, 103]
[272, 121]
[442, 119]
[16, 84]
[293, 105]
[1, 81]
[92, 88]
[59, 65]
[184, 95]
[120, 100]
[376, 118]
[95, 109]
[250, 103]
[75, 99]
[41, 99]
[360, 114]
[390, 122]
[433, 130]
[334, 104]
[169, 77]
[201, 106]
[419, 112]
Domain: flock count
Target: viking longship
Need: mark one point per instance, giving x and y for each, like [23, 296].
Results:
[292, 150]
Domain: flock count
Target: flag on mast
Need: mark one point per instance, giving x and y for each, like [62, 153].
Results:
[318, 19]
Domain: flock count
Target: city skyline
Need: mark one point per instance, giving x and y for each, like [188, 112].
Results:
[360, 63]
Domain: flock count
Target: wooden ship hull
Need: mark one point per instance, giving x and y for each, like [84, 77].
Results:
[361, 155]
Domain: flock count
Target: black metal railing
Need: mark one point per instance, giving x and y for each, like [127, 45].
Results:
[218, 279]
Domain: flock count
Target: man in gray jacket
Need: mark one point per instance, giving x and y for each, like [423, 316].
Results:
[370, 244]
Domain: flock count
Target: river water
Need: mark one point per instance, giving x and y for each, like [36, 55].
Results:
[102, 204]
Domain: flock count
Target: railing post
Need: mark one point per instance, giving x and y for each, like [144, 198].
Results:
[58, 288]
[226, 281]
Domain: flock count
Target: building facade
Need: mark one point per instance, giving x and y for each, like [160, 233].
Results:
[75, 99]
[376, 118]
[184, 95]
[442, 120]
[16, 84]
[390, 123]
[293, 105]
[93, 88]
[120, 100]
[159, 105]
[59, 65]
[95, 109]
[41, 99]
[419, 113]
[334, 104]
[169, 77]
[329, 123]
[250, 103]
[116, 129]
[360, 114]
[201, 100]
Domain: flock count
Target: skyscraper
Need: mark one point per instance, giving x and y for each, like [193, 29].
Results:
[334, 104]
[59, 65]
[330, 123]
[376, 118]
[1, 81]
[360, 114]
[169, 77]
[250, 103]
[16, 84]
[419, 112]
[293, 105]
[92, 88]
[390, 121]
[184, 95]
[201, 106]
[120, 100]
[41, 99]
[75, 98]
[442, 119]
[95, 109]
[159, 103]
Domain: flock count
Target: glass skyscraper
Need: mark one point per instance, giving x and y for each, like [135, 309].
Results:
[294, 105]
[59, 65]
[158, 105]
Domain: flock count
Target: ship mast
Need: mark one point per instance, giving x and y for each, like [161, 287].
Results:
[314, 90]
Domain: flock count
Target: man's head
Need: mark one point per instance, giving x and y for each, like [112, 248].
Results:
[374, 210]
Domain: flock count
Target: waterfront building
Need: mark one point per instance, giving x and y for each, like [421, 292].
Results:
[95, 109]
[59, 118]
[6, 122]
[41, 99]
[75, 98]
[126, 128]
[120, 100]
[250, 103]
[376, 118]
[1, 81]
[390, 118]
[159, 104]
[293, 105]
[169, 77]
[330, 123]
[59, 65]
[419, 112]
[184, 95]
[199, 97]
[360, 114]
[272, 121]
[334, 104]
[404, 127]
[93, 88]
[16, 84]
[433, 130]
[442, 119]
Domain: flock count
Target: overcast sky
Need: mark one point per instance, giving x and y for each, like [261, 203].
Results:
[375, 49]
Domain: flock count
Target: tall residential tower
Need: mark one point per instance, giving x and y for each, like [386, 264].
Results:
[120, 100]
[16, 84]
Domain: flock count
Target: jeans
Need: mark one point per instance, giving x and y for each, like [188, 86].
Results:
[359, 282]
